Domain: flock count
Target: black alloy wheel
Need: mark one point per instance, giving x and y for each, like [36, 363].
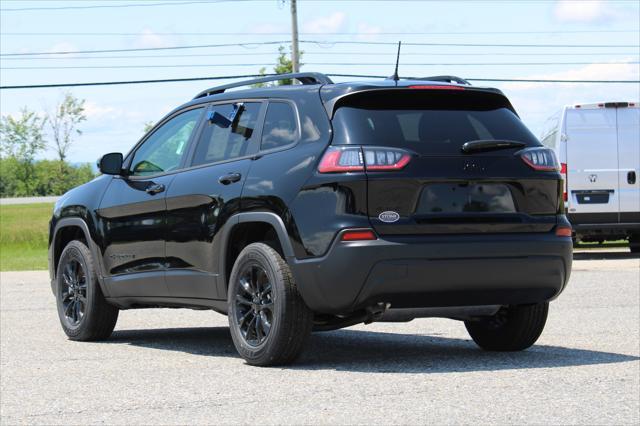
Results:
[268, 320]
[254, 305]
[74, 292]
[82, 308]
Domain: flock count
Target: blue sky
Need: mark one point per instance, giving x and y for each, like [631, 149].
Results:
[116, 114]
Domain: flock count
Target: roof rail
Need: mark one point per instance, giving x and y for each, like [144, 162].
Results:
[447, 79]
[302, 77]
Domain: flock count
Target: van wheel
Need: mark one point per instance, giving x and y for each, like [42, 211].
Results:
[634, 243]
[268, 320]
[512, 328]
[83, 312]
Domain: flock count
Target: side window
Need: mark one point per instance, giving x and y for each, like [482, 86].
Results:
[164, 149]
[280, 126]
[219, 143]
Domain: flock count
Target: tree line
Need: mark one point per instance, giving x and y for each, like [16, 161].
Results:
[24, 137]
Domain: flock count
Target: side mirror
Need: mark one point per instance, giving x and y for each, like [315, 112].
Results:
[111, 164]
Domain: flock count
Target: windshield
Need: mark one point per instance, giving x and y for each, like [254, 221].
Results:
[427, 131]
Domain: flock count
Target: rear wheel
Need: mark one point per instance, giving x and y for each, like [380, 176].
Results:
[84, 313]
[512, 328]
[268, 320]
[634, 243]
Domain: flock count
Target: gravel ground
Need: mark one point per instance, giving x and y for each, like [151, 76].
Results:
[179, 366]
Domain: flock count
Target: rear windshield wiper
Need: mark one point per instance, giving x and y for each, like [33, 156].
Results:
[490, 145]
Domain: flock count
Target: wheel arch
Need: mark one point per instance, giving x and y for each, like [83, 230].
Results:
[65, 231]
[243, 229]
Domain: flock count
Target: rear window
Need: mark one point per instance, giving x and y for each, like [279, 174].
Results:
[427, 130]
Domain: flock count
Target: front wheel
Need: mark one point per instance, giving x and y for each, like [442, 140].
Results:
[84, 313]
[512, 328]
[268, 320]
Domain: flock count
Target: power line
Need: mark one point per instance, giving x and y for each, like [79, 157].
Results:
[382, 43]
[115, 6]
[406, 33]
[173, 80]
[143, 49]
[323, 53]
[351, 64]
[507, 80]
[324, 44]
[125, 82]
[174, 3]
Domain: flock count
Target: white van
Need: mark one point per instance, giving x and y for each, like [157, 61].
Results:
[598, 146]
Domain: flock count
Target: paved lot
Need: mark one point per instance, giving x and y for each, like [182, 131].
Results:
[179, 366]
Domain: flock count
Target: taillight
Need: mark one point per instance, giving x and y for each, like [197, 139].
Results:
[563, 172]
[339, 159]
[542, 159]
[563, 231]
[358, 235]
[342, 159]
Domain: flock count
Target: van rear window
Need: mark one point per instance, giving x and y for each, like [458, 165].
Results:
[427, 131]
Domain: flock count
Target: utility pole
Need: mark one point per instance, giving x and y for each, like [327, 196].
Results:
[295, 55]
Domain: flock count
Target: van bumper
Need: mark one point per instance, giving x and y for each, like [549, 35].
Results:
[604, 226]
[435, 271]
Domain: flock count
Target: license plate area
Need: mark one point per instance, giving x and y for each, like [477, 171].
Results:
[465, 197]
[592, 197]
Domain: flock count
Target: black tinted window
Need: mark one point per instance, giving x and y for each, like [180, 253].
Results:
[280, 126]
[427, 131]
[218, 143]
[164, 149]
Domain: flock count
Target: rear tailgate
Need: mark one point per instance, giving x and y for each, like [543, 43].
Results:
[592, 162]
[441, 189]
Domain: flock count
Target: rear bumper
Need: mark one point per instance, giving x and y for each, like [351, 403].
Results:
[435, 271]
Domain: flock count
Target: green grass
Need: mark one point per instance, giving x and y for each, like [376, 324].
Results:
[605, 245]
[24, 231]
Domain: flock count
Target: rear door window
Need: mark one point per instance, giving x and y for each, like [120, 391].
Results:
[219, 143]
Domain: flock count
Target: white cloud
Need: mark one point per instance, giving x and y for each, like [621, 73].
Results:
[615, 71]
[589, 11]
[95, 111]
[368, 32]
[326, 24]
[150, 39]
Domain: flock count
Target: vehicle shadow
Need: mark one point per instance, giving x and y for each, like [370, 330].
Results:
[372, 351]
[604, 255]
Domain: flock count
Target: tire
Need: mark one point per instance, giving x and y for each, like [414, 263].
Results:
[94, 318]
[268, 320]
[513, 328]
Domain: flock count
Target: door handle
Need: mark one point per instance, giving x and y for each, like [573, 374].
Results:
[154, 188]
[230, 178]
[631, 177]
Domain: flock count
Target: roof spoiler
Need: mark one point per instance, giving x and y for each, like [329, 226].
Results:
[303, 77]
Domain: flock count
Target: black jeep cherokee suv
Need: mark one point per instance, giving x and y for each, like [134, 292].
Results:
[317, 206]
